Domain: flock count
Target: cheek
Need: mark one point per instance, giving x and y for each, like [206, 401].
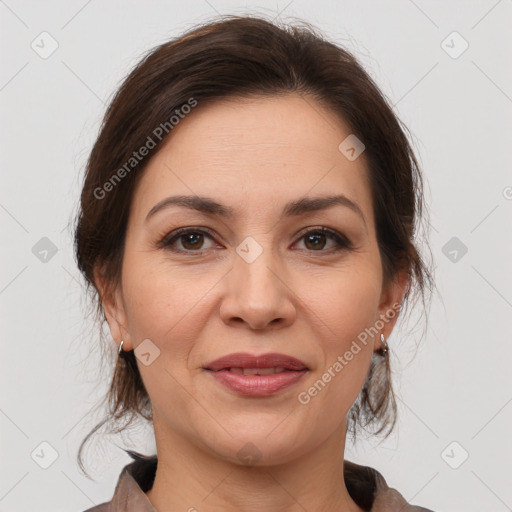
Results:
[168, 304]
[345, 302]
[158, 296]
[165, 305]
[347, 308]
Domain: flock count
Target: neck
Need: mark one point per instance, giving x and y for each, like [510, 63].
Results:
[189, 478]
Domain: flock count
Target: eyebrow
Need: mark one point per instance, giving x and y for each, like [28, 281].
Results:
[209, 206]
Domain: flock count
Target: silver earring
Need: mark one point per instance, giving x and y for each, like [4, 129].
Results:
[385, 348]
[121, 348]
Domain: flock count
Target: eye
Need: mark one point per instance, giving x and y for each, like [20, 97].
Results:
[193, 239]
[315, 240]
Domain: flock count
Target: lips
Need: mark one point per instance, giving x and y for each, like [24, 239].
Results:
[248, 364]
[258, 371]
[257, 376]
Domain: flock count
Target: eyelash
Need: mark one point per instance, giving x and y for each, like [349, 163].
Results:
[168, 240]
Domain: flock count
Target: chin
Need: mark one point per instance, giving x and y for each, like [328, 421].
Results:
[258, 448]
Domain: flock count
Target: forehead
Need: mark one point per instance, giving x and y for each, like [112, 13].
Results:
[255, 154]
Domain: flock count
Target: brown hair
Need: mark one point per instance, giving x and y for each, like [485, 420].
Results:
[241, 56]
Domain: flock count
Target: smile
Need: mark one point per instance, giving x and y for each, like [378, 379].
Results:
[256, 375]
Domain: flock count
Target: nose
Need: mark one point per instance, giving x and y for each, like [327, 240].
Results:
[257, 295]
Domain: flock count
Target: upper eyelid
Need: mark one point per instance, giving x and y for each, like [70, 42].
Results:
[174, 235]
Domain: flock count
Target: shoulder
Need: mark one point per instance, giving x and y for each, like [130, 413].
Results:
[103, 507]
[134, 481]
[369, 489]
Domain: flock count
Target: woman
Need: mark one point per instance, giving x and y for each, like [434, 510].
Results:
[247, 227]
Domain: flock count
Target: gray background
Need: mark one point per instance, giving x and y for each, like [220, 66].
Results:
[457, 387]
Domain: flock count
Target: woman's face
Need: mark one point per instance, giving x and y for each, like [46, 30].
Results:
[260, 280]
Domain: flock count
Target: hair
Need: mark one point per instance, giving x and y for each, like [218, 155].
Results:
[242, 56]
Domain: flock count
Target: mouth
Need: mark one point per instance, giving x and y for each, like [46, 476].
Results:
[256, 376]
[257, 371]
[256, 365]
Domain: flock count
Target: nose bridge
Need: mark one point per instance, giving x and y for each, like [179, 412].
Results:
[254, 266]
[257, 294]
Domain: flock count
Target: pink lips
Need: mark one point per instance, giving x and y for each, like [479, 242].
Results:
[261, 375]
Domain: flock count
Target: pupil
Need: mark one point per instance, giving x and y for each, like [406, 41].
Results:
[189, 239]
[310, 237]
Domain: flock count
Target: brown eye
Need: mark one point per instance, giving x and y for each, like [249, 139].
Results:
[190, 240]
[316, 240]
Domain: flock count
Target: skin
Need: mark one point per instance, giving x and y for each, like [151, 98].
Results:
[309, 301]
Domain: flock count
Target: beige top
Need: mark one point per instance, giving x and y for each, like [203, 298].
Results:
[365, 485]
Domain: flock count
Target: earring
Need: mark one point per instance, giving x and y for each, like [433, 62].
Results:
[120, 353]
[385, 348]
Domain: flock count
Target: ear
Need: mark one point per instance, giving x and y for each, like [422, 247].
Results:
[113, 305]
[389, 308]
